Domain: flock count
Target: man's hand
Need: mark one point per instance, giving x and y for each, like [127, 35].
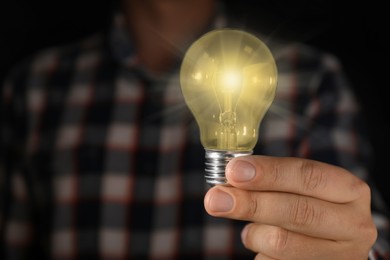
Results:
[299, 208]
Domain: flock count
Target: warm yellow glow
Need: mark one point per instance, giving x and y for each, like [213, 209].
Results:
[198, 76]
[228, 78]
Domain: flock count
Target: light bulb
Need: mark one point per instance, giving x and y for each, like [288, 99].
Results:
[228, 79]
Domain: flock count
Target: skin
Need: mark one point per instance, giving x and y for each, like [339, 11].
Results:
[298, 208]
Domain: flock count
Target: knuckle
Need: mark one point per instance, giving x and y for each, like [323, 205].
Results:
[253, 207]
[304, 213]
[278, 239]
[313, 176]
[273, 239]
[367, 234]
[371, 233]
[367, 230]
[275, 177]
[362, 188]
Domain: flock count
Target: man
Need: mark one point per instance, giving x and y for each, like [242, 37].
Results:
[103, 160]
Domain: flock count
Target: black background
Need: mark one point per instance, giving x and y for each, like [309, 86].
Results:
[356, 33]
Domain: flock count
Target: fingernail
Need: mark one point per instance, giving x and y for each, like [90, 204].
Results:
[220, 201]
[244, 233]
[242, 171]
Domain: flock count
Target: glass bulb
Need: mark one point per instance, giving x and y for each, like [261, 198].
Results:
[228, 79]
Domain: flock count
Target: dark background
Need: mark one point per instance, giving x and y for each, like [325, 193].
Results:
[355, 33]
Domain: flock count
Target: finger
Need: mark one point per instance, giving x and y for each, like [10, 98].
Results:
[260, 256]
[295, 175]
[273, 242]
[300, 214]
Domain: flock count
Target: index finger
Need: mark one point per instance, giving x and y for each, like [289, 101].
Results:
[295, 175]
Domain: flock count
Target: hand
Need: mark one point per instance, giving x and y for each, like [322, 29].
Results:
[299, 208]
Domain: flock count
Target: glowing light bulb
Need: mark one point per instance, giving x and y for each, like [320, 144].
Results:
[228, 79]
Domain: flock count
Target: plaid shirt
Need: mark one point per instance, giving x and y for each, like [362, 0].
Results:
[102, 160]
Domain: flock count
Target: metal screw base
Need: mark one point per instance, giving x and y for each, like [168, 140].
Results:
[216, 162]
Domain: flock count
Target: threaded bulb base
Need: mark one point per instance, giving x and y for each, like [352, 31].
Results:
[216, 162]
